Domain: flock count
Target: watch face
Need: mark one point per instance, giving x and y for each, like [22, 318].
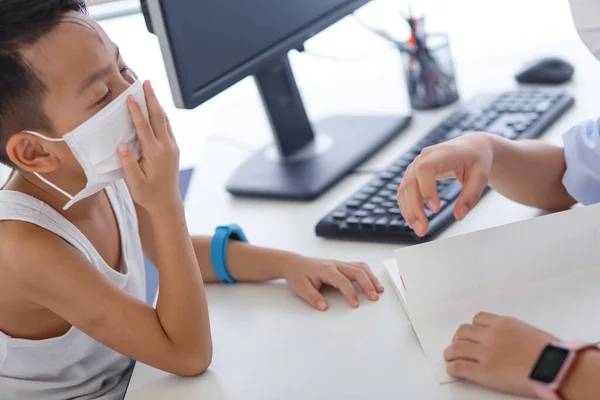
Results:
[549, 364]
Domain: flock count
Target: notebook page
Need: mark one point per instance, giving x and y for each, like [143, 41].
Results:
[564, 306]
[493, 260]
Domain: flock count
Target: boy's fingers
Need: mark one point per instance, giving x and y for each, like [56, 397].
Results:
[311, 295]
[362, 278]
[475, 182]
[131, 166]
[170, 129]
[142, 125]
[371, 275]
[343, 284]
[158, 119]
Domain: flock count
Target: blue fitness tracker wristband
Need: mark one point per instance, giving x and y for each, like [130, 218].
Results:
[218, 249]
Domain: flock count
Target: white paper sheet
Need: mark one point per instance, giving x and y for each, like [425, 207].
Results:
[545, 271]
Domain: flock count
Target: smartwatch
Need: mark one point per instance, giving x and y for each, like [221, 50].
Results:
[218, 250]
[553, 366]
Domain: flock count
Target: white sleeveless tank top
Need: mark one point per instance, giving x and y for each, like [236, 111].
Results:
[73, 366]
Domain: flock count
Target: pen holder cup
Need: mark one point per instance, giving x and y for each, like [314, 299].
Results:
[429, 74]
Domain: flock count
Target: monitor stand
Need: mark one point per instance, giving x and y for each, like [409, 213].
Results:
[302, 165]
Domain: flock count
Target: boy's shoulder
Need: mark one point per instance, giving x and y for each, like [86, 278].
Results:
[23, 248]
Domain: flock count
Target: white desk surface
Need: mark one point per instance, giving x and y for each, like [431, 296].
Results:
[267, 343]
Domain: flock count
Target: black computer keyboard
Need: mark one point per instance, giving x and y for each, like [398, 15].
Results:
[372, 214]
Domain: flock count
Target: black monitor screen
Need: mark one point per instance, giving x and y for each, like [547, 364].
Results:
[211, 39]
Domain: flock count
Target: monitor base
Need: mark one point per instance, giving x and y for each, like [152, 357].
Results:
[348, 142]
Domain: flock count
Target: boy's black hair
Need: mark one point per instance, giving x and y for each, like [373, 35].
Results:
[22, 24]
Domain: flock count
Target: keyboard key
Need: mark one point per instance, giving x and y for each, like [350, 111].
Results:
[361, 214]
[543, 106]
[377, 200]
[392, 186]
[338, 215]
[394, 211]
[511, 133]
[429, 213]
[480, 126]
[443, 203]
[381, 223]
[452, 191]
[395, 170]
[369, 190]
[398, 224]
[520, 127]
[397, 181]
[379, 211]
[353, 222]
[454, 133]
[369, 207]
[387, 175]
[353, 204]
[386, 193]
[367, 222]
[362, 196]
[388, 204]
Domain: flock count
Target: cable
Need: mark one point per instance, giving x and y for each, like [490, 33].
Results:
[383, 35]
[378, 32]
[347, 59]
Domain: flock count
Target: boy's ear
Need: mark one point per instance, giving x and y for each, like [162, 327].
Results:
[31, 154]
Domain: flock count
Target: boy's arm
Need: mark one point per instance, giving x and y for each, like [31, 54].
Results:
[48, 271]
[304, 275]
[245, 263]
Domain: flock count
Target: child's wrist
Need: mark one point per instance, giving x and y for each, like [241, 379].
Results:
[283, 263]
[585, 367]
[166, 211]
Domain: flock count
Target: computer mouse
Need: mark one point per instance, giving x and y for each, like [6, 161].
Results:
[547, 71]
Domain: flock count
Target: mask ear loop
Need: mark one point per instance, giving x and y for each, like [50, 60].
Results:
[40, 177]
[45, 137]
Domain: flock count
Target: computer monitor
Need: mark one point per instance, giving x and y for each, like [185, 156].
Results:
[209, 45]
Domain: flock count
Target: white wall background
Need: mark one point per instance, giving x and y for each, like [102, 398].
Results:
[498, 36]
[3, 174]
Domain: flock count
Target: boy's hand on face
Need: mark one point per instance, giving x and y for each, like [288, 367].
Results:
[497, 352]
[306, 276]
[153, 180]
[467, 158]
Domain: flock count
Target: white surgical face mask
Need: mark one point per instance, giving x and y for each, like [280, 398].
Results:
[586, 15]
[94, 144]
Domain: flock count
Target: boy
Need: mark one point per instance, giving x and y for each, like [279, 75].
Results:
[72, 315]
[494, 351]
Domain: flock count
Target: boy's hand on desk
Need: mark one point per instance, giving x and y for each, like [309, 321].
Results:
[497, 352]
[467, 158]
[306, 276]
